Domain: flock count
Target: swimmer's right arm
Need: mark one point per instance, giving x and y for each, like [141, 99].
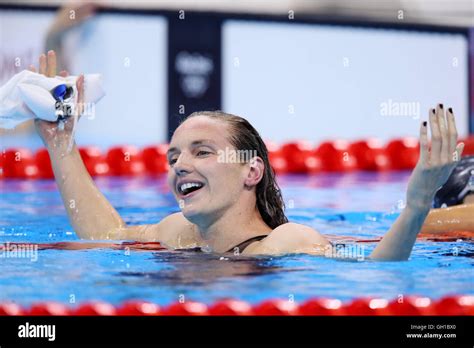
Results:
[90, 213]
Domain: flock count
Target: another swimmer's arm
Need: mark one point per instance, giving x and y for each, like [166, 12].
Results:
[445, 220]
[67, 18]
[431, 172]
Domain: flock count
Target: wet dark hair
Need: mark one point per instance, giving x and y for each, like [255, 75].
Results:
[453, 191]
[245, 137]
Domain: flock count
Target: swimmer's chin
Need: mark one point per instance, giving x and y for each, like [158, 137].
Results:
[197, 217]
[191, 215]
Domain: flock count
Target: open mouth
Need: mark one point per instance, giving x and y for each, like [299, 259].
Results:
[186, 189]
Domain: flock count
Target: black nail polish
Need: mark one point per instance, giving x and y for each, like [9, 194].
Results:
[433, 111]
[440, 106]
[450, 110]
[425, 123]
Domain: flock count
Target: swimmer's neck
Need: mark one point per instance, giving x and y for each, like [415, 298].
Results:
[232, 227]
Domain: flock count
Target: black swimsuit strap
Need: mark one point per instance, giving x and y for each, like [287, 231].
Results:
[241, 247]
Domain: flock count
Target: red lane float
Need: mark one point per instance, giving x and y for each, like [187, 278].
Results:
[94, 161]
[455, 305]
[154, 159]
[95, 308]
[43, 163]
[10, 308]
[366, 306]
[336, 156]
[138, 308]
[187, 308]
[19, 163]
[370, 155]
[407, 306]
[231, 307]
[276, 307]
[410, 305]
[403, 153]
[136, 246]
[298, 157]
[276, 158]
[321, 306]
[49, 308]
[468, 146]
[125, 160]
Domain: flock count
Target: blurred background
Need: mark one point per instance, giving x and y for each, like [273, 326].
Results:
[314, 70]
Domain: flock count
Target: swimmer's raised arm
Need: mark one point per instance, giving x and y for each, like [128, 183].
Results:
[90, 213]
[431, 172]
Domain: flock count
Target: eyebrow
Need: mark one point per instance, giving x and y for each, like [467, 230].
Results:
[193, 144]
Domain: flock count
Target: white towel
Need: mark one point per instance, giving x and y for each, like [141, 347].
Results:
[28, 95]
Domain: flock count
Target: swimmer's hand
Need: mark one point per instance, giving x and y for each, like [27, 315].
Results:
[431, 172]
[57, 136]
[436, 163]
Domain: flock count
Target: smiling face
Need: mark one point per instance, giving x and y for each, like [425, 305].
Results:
[204, 185]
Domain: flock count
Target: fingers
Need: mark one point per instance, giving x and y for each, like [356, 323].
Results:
[47, 65]
[63, 73]
[444, 137]
[445, 155]
[42, 64]
[435, 139]
[458, 153]
[424, 149]
[51, 67]
[80, 94]
[452, 131]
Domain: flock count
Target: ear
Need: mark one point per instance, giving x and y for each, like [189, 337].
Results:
[255, 173]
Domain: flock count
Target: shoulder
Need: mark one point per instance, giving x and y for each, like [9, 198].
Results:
[176, 219]
[292, 238]
[175, 231]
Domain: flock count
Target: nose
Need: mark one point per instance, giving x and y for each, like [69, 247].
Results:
[182, 165]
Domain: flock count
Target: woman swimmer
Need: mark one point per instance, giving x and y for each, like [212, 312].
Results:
[454, 202]
[229, 205]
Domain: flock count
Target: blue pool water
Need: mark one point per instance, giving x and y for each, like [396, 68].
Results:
[359, 205]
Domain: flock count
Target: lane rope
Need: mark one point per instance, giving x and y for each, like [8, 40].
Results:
[298, 157]
[409, 305]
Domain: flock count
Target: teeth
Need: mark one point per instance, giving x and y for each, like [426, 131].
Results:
[188, 185]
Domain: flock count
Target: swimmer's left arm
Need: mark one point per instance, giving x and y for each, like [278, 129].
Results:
[431, 172]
